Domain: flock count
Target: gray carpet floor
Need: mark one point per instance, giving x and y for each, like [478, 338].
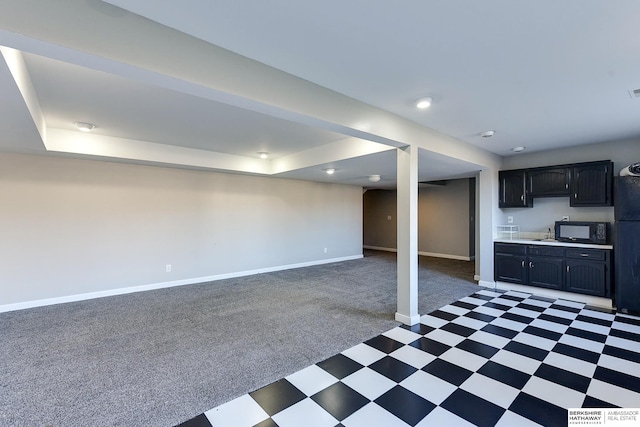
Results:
[158, 358]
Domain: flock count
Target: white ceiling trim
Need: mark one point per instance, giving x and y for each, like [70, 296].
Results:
[19, 73]
[72, 142]
[333, 152]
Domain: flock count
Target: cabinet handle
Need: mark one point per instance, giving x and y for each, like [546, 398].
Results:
[522, 264]
[584, 254]
[575, 196]
[567, 268]
[530, 264]
[566, 186]
[522, 198]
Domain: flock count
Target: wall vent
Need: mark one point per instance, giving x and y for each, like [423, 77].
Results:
[635, 93]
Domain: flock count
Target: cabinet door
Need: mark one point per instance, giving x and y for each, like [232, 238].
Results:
[546, 272]
[510, 268]
[548, 182]
[513, 192]
[591, 184]
[586, 277]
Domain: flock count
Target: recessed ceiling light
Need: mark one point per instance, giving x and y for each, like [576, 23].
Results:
[329, 171]
[374, 178]
[488, 133]
[85, 127]
[518, 149]
[263, 154]
[424, 103]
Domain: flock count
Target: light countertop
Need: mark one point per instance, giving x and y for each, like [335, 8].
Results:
[551, 242]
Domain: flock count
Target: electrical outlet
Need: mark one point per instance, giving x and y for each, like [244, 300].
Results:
[325, 250]
[565, 217]
[388, 217]
[168, 268]
[509, 220]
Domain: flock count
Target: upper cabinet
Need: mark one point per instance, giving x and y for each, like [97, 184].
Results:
[513, 191]
[548, 182]
[586, 184]
[591, 184]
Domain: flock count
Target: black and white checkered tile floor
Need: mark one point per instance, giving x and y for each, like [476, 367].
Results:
[490, 359]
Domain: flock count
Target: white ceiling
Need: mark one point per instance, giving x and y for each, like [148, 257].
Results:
[128, 109]
[542, 74]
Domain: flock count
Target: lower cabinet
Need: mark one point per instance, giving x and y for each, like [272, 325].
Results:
[509, 263]
[588, 271]
[546, 272]
[585, 271]
[511, 268]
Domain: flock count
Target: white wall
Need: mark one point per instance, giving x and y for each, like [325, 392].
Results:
[443, 219]
[621, 153]
[380, 225]
[546, 211]
[70, 226]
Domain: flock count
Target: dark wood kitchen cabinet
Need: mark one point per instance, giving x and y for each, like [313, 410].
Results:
[588, 271]
[570, 269]
[511, 268]
[513, 189]
[592, 184]
[586, 184]
[545, 272]
[545, 265]
[510, 262]
[548, 182]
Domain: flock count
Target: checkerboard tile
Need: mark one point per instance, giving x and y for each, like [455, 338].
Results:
[491, 359]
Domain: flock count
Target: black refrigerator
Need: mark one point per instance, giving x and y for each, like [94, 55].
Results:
[627, 243]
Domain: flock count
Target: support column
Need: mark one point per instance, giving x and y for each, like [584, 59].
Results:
[488, 214]
[407, 178]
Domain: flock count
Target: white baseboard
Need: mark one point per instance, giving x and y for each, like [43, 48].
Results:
[379, 248]
[432, 254]
[408, 320]
[192, 281]
[551, 293]
[448, 256]
[486, 283]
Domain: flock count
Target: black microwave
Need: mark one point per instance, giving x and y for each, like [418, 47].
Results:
[582, 232]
